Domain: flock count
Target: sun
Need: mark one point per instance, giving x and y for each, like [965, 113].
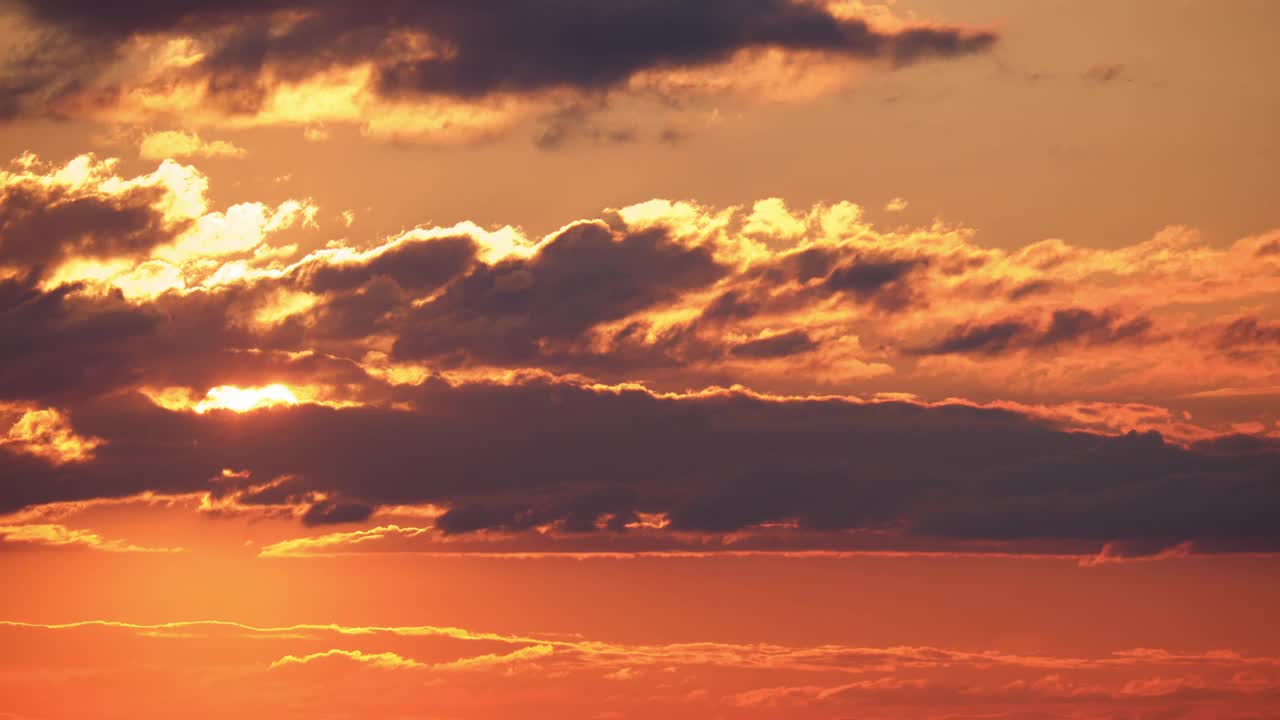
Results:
[238, 399]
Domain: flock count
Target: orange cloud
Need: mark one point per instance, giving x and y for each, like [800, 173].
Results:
[229, 397]
[48, 434]
[178, 144]
[785, 300]
[608, 656]
[143, 236]
[484, 662]
[55, 535]
[378, 661]
[425, 77]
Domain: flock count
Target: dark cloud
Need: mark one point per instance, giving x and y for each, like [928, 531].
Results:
[418, 265]
[530, 452]
[1095, 328]
[609, 508]
[776, 346]
[1065, 326]
[333, 513]
[493, 46]
[989, 338]
[800, 279]
[586, 275]
[883, 282]
[64, 345]
[59, 346]
[517, 455]
[1249, 331]
[42, 226]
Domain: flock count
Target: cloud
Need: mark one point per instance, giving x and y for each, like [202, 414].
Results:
[330, 513]
[391, 668]
[458, 65]
[52, 535]
[1120, 553]
[178, 144]
[1064, 326]
[393, 661]
[81, 213]
[484, 662]
[83, 222]
[773, 346]
[670, 294]
[588, 459]
[881, 281]
[47, 433]
[228, 665]
[806, 694]
[393, 664]
[1054, 687]
[576, 652]
[577, 381]
[658, 542]
[584, 276]
[1249, 331]
[379, 661]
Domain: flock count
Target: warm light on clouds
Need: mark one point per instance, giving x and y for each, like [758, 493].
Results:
[178, 144]
[380, 661]
[236, 399]
[48, 434]
[61, 536]
[620, 359]
[164, 216]
[426, 77]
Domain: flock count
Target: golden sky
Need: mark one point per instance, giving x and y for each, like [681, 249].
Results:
[619, 359]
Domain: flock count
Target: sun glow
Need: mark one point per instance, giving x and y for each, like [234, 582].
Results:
[238, 399]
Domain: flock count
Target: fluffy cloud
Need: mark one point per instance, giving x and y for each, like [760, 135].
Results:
[569, 382]
[437, 67]
[673, 295]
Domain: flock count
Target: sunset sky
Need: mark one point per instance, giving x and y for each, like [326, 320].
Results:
[628, 359]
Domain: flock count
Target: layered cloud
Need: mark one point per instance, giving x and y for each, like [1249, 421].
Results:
[277, 442]
[575, 383]
[670, 294]
[397, 668]
[439, 68]
[536, 453]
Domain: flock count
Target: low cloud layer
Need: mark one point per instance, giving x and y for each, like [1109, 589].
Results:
[514, 456]
[569, 382]
[548, 675]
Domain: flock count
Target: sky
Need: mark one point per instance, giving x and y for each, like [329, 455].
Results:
[625, 359]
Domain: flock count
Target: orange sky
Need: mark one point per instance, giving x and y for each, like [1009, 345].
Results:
[733, 359]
